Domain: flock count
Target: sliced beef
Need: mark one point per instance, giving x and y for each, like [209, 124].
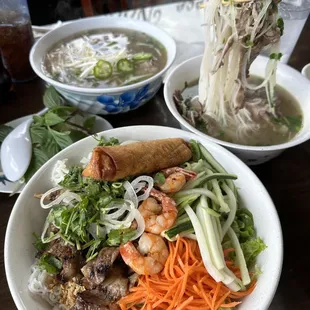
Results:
[71, 267]
[83, 305]
[95, 271]
[61, 250]
[106, 295]
[133, 280]
[71, 259]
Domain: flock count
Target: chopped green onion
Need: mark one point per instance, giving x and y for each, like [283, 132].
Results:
[103, 70]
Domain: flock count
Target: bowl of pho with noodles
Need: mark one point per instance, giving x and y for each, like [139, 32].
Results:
[255, 106]
[103, 64]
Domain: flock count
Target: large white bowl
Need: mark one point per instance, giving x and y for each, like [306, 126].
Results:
[287, 77]
[104, 100]
[27, 216]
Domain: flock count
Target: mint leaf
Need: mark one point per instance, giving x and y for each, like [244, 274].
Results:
[52, 118]
[89, 123]
[38, 158]
[38, 134]
[51, 98]
[77, 135]
[50, 146]
[62, 138]
[38, 121]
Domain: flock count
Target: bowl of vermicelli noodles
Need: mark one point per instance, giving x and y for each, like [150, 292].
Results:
[143, 217]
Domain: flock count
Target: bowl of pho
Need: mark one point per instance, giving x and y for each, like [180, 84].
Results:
[170, 221]
[104, 64]
[255, 106]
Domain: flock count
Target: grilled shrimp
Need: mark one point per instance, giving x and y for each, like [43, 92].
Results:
[175, 179]
[159, 214]
[149, 258]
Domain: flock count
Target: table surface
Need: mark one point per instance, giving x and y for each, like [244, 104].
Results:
[287, 179]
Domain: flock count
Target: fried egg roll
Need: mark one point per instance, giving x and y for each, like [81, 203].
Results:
[111, 163]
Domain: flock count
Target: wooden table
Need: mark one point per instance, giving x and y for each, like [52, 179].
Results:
[287, 178]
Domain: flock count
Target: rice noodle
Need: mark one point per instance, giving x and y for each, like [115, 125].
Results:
[235, 33]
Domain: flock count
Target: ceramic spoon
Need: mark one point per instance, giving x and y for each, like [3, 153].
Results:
[16, 150]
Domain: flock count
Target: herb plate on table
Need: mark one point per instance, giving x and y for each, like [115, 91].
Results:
[97, 123]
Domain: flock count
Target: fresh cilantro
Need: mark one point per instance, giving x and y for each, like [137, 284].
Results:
[38, 244]
[120, 236]
[50, 264]
[111, 142]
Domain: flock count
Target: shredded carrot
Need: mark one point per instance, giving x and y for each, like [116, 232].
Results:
[183, 284]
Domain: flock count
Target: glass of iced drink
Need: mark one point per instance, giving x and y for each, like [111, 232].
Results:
[16, 39]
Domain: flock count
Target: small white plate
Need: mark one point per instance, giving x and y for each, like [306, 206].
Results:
[9, 187]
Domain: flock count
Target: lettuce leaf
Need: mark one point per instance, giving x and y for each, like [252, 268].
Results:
[251, 249]
[243, 225]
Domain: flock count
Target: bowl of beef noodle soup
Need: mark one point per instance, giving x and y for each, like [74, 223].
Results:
[104, 64]
[255, 106]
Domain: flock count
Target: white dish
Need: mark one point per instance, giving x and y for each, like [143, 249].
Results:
[287, 77]
[103, 100]
[9, 187]
[27, 216]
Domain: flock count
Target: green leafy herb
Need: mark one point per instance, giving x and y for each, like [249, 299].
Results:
[120, 236]
[52, 118]
[4, 131]
[50, 264]
[51, 98]
[159, 178]
[89, 123]
[243, 225]
[294, 123]
[38, 159]
[280, 24]
[62, 138]
[102, 142]
[38, 244]
[251, 249]
[276, 56]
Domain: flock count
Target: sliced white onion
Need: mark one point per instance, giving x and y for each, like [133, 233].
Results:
[140, 224]
[66, 195]
[130, 193]
[118, 213]
[137, 183]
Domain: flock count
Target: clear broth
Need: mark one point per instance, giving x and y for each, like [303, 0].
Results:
[63, 61]
[277, 131]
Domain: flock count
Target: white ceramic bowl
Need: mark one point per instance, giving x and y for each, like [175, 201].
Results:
[287, 77]
[27, 216]
[104, 100]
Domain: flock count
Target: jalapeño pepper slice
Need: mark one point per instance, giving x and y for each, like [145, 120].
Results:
[125, 66]
[142, 56]
[102, 70]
